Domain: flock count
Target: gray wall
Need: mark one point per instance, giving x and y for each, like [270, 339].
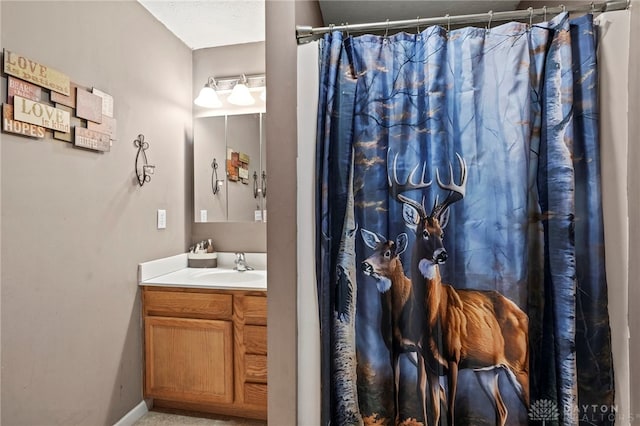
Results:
[634, 205]
[282, 17]
[74, 223]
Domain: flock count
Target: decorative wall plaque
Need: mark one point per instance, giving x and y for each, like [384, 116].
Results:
[40, 114]
[66, 136]
[69, 101]
[89, 111]
[19, 87]
[237, 166]
[88, 106]
[107, 102]
[90, 139]
[33, 72]
[108, 126]
[10, 125]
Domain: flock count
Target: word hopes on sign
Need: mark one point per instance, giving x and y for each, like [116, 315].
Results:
[11, 126]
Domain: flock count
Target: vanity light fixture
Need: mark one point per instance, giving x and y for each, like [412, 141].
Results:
[208, 98]
[144, 170]
[236, 90]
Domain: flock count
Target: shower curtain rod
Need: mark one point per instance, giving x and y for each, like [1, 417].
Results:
[304, 32]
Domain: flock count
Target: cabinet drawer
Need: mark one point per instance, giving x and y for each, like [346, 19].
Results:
[188, 305]
[255, 339]
[255, 368]
[255, 394]
[255, 310]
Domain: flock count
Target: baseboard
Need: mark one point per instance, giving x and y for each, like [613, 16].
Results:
[132, 416]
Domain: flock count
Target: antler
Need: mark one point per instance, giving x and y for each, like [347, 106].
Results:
[396, 188]
[456, 192]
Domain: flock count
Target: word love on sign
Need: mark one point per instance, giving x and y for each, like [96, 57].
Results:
[31, 71]
[41, 114]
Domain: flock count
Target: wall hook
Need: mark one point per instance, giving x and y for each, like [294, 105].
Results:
[143, 169]
[215, 182]
[256, 189]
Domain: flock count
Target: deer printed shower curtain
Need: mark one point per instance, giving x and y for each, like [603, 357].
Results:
[459, 229]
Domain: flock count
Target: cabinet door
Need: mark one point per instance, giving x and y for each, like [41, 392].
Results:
[189, 359]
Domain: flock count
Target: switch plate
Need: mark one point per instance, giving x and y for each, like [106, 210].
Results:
[203, 215]
[162, 219]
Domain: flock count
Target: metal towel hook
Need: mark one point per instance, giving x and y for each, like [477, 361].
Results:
[256, 190]
[215, 182]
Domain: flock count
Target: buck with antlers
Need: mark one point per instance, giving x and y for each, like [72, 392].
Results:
[481, 330]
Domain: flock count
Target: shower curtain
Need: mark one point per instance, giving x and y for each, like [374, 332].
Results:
[460, 259]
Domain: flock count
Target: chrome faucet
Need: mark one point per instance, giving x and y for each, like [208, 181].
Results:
[241, 263]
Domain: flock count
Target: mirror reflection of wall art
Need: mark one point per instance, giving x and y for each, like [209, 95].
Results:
[237, 166]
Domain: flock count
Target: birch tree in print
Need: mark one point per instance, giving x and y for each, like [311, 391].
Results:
[344, 333]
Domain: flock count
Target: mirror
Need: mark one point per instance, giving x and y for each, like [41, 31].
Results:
[229, 168]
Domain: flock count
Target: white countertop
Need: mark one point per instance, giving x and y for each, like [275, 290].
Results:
[173, 272]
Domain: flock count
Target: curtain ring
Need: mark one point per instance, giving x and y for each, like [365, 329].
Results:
[448, 23]
[593, 8]
[563, 7]
[490, 18]
[418, 24]
[347, 29]
[530, 9]
[544, 9]
[386, 31]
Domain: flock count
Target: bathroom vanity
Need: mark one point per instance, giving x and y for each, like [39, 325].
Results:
[205, 337]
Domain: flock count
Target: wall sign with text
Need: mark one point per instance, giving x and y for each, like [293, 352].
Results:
[44, 103]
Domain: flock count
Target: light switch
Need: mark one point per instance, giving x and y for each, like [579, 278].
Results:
[203, 215]
[162, 219]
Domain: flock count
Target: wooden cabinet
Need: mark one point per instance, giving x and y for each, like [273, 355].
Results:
[206, 350]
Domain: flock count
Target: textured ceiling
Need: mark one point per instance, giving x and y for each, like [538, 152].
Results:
[210, 23]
